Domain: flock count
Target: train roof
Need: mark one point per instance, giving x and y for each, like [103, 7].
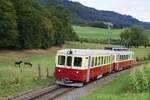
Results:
[89, 52]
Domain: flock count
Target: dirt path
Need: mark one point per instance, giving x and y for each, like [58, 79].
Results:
[28, 52]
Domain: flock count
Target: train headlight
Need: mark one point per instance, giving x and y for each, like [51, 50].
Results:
[77, 72]
[59, 70]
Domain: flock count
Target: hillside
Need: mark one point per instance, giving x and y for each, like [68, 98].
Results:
[82, 15]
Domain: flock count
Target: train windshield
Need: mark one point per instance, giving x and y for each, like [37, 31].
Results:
[61, 60]
[69, 61]
[77, 62]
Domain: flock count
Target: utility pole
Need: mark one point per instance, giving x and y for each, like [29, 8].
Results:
[109, 36]
[109, 25]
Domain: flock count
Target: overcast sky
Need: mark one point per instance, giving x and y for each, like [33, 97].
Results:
[139, 9]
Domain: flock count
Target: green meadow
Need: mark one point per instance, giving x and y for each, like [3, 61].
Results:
[122, 87]
[96, 33]
[100, 33]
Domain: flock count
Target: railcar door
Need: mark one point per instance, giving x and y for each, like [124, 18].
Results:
[88, 69]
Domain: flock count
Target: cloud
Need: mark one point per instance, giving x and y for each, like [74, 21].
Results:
[139, 9]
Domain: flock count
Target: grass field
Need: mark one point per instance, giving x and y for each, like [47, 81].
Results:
[99, 33]
[118, 89]
[9, 73]
[96, 33]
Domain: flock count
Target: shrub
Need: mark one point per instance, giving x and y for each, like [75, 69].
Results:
[149, 56]
[137, 59]
[140, 79]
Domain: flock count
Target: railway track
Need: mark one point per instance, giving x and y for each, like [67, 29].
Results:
[55, 91]
[47, 93]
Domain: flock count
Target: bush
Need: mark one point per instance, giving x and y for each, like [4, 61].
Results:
[137, 59]
[102, 41]
[140, 80]
[149, 56]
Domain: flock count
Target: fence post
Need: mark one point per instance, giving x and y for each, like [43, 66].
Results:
[47, 74]
[39, 71]
[20, 76]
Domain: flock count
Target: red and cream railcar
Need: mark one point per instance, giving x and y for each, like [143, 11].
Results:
[78, 66]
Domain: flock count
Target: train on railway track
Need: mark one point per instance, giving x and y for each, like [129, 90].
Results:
[76, 67]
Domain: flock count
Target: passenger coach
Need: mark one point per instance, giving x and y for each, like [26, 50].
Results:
[74, 67]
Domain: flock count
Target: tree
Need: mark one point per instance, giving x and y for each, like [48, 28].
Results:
[61, 24]
[137, 36]
[8, 25]
[125, 37]
[134, 35]
[34, 27]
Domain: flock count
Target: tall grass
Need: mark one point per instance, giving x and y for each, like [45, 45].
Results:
[140, 79]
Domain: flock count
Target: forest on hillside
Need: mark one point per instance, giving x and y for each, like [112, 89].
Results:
[26, 24]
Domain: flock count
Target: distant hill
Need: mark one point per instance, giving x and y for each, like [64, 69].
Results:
[82, 15]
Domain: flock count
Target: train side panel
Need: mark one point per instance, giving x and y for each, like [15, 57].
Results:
[80, 75]
[122, 64]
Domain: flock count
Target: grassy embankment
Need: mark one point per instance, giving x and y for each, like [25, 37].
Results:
[133, 85]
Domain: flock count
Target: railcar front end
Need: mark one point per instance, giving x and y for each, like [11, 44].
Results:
[70, 70]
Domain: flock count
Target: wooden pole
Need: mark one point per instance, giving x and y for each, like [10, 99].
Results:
[39, 71]
[20, 76]
[47, 74]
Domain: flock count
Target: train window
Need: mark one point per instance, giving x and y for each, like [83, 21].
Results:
[99, 61]
[112, 58]
[126, 57]
[118, 57]
[104, 60]
[61, 60]
[69, 61]
[95, 61]
[92, 61]
[77, 62]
